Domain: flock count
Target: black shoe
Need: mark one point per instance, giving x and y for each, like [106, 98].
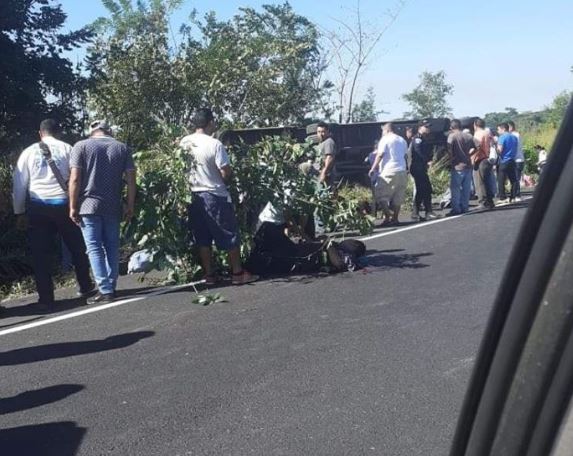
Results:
[100, 298]
[452, 214]
[415, 216]
[86, 294]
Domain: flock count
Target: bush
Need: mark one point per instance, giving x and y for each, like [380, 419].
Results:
[262, 173]
[14, 263]
[543, 135]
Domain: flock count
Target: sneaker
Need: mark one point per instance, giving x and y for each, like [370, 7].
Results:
[431, 216]
[86, 294]
[101, 298]
[518, 199]
[452, 214]
[415, 216]
[504, 201]
[244, 277]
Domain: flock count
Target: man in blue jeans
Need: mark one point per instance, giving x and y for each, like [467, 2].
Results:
[98, 166]
[507, 148]
[461, 147]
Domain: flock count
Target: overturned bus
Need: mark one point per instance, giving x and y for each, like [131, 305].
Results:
[354, 140]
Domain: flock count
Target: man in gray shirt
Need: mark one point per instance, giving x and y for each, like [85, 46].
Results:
[98, 166]
[328, 152]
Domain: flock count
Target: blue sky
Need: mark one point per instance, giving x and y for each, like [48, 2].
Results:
[496, 54]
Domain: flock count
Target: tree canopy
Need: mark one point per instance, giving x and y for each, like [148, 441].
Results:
[36, 79]
[258, 68]
[429, 98]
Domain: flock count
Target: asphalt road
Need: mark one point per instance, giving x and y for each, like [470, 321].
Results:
[367, 363]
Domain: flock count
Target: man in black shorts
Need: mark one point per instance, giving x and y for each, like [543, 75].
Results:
[211, 213]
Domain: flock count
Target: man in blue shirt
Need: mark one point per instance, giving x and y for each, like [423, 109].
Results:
[507, 146]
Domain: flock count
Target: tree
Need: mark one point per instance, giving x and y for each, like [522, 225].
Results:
[429, 98]
[365, 111]
[556, 111]
[260, 68]
[492, 119]
[136, 81]
[36, 79]
[352, 45]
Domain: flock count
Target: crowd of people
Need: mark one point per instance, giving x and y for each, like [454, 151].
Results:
[483, 162]
[77, 193]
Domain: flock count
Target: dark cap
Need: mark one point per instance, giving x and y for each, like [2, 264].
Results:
[424, 123]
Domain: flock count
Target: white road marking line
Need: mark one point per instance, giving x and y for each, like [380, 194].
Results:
[90, 310]
[93, 309]
[408, 228]
[433, 222]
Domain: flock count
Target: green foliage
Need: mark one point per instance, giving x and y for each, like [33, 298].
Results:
[37, 80]
[492, 119]
[258, 68]
[365, 111]
[429, 98]
[161, 207]
[265, 172]
[439, 174]
[207, 298]
[543, 135]
[356, 193]
[136, 81]
[556, 111]
[273, 165]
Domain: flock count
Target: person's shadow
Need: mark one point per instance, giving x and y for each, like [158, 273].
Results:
[32, 309]
[66, 349]
[392, 259]
[37, 398]
[47, 439]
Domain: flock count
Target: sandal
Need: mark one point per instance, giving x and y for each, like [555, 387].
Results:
[244, 277]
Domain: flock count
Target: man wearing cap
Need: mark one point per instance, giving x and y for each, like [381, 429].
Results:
[421, 152]
[98, 167]
[40, 195]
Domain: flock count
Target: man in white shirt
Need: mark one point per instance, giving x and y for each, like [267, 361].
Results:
[519, 158]
[211, 213]
[393, 176]
[38, 195]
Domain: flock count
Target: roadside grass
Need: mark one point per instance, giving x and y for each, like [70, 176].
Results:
[26, 286]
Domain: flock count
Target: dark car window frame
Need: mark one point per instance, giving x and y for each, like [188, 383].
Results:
[491, 380]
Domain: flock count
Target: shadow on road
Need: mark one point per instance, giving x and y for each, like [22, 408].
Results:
[67, 349]
[37, 398]
[32, 309]
[49, 439]
[390, 259]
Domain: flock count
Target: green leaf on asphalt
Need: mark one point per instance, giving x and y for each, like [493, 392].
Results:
[206, 299]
